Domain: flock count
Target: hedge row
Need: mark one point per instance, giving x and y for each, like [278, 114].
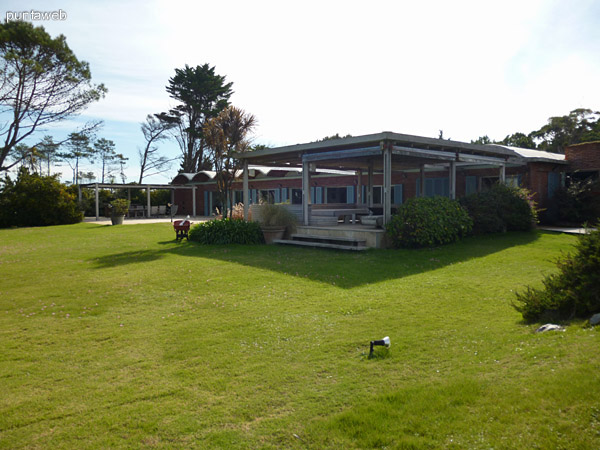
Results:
[227, 231]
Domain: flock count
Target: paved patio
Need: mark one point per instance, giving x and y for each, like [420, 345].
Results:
[141, 220]
[568, 230]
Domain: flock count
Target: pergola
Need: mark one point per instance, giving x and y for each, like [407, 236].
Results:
[384, 153]
[129, 187]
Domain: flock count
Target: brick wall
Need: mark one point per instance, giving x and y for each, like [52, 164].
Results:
[585, 157]
[408, 180]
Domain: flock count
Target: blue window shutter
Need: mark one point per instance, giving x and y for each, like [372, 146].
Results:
[519, 179]
[319, 195]
[418, 186]
[349, 194]
[429, 187]
[446, 187]
[438, 186]
[470, 185]
[283, 195]
[312, 195]
[206, 207]
[253, 196]
[364, 193]
[277, 196]
[553, 183]
[397, 189]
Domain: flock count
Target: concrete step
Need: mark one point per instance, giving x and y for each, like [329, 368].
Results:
[314, 244]
[337, 240]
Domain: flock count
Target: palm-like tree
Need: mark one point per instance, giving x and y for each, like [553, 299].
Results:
[227, 134]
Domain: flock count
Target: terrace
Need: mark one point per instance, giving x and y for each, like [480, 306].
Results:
[384, 154]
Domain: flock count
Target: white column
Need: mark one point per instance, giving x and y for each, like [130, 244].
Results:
[453, 180]
[305, 192]
[502, 173]
[194, 201]
[246, 194]
[97, 203]
[387, 184]
[359, 199]
[148, 203]
[370, 185]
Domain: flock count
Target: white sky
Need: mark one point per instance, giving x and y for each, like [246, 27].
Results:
[315, 68]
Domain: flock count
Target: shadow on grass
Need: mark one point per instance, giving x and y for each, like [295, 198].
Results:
[338, 268]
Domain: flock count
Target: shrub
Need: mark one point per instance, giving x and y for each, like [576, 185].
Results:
[227, 231]
[426, 222]
[237, 212]
[578, 203]
[277, 216]
[572, 292]
[119, 207]
[34, 200]
[501, 208]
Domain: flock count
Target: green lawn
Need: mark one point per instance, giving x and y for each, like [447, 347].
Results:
[118, 337]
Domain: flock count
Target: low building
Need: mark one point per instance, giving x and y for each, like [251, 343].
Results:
[381, 171]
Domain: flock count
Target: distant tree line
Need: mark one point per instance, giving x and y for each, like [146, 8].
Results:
[580, 125]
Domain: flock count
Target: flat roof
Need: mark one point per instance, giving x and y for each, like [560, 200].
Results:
[292, 154]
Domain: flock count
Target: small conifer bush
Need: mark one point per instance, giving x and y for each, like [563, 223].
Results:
[572, 292]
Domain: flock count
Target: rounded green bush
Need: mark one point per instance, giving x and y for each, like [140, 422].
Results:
[227, 231]
[33, 200]
[572, 292]
[501, 208]
[427, 222]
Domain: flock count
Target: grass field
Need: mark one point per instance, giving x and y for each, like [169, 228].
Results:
[118, 337]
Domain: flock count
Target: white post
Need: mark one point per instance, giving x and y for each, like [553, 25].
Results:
[359, 199]
[148, 201]
[194, 201]
[387, 183]
[245, 189]
[97, 203]
[453, 180]
[305, 192]
[502, 173]
[370, 185]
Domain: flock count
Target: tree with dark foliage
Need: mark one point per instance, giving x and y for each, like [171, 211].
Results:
[201, 94]
[41, 82]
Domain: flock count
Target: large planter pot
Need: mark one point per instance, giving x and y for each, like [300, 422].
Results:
[272, 233]
[117, 220]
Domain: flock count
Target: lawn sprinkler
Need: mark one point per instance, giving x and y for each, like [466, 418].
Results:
[385, 342]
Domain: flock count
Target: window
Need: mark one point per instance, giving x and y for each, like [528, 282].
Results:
[513, 181]
[337, 195]
[553, 183]
[434, 187]
[397, 194]
[470, 185]
[267, 195]
[296, 196]
[377, 195]
[238, 197]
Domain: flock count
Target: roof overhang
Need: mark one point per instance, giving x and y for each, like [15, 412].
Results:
[360, 152]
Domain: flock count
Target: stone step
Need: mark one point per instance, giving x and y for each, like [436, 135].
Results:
[314, 244]
[338, 240]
